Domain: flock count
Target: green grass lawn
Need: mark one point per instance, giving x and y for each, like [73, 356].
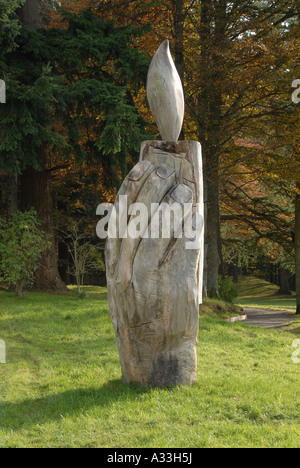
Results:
[255, 292]
[62, 387]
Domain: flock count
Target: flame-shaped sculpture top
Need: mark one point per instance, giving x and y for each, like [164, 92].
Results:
[165, 94]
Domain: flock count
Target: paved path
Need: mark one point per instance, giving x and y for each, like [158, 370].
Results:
[267, 318]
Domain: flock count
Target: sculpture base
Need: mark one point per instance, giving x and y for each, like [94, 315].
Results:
[155, 284]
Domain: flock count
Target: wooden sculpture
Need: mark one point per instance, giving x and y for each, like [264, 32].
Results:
[154, 280]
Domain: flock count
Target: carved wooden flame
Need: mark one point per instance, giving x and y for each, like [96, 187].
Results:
[165, 94]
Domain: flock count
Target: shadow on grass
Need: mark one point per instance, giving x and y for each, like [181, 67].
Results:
[55, 407]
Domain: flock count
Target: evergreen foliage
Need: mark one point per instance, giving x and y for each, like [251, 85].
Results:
[9, 27]
[71, 89]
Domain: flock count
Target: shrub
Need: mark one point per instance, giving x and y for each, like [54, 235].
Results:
[227, 290]
[22, 242]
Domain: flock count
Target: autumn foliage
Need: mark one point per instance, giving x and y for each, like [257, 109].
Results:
[237, 61]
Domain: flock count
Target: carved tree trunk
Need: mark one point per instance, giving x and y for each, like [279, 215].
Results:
[155, 284]
[154, 256]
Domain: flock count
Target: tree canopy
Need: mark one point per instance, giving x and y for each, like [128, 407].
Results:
[77, 111]
[69, 89]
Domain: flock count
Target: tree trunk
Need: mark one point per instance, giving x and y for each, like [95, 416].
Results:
[19, 289]
[284, 282]
[35, 192]
[235, 271]
[30, 14]
[179, 18]
[212, 226]
[179, 33]
[297, 246]
[212, 33]
[35, 185]
[64, 262]
[12, 194]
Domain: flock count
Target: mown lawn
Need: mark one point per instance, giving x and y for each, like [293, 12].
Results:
[255, 292]
[61, 386]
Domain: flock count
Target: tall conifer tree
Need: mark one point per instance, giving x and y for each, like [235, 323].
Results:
[69, 91]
